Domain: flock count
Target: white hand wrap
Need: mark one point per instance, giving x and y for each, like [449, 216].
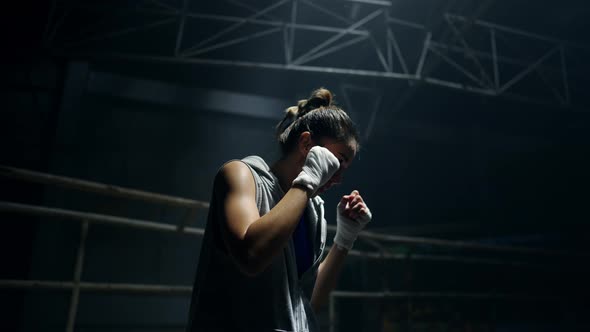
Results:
[347, 229]
[320, 165]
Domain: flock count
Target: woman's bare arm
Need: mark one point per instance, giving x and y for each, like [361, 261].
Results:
[328, 274]
[254, 241]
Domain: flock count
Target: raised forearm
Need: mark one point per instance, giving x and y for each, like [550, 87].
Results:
[253, 240]
[352, 215]
[328, 274]
[268, 235]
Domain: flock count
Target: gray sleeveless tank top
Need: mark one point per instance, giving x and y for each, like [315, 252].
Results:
[224, 299]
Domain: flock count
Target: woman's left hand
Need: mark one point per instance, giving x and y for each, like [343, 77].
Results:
[353, 215]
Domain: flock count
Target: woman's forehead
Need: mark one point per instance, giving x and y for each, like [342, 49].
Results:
[346, 148]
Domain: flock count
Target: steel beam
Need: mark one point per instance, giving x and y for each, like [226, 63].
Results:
[338, 36]
[291, 26]
[290, 42]
[527, 70]
[181, 24]
[372, 2]
[423, 54]
[499, 27]
[334, 49]
[457, 66]
[495, 59]
[469, 52]
[232, 42]
[398, 51]
[235, 26]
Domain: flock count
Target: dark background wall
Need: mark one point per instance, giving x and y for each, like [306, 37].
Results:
[445, 164]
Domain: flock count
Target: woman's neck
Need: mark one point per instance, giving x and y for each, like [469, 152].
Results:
[286, 170]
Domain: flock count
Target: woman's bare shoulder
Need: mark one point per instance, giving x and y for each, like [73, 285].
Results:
[234, 176]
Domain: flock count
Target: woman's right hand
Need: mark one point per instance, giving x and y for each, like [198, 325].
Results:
[320, 165]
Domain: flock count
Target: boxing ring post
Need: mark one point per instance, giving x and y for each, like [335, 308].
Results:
[77, 275]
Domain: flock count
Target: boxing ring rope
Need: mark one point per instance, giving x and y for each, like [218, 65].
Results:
[461, 244]
[100, 188]
[99, 287]
[96, 218]
[105, 189]
[88, 218]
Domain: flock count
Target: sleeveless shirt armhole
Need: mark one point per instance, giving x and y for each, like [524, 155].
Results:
[256, 182]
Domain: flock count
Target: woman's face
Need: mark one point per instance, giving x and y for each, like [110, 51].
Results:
[345, 152]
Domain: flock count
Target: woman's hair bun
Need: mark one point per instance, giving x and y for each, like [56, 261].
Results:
[319, 98]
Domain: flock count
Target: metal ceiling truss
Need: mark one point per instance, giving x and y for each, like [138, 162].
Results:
[465, 66]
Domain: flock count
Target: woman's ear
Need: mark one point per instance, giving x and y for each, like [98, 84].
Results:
[305, 143]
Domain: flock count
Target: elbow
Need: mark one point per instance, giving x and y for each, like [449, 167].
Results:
[249, 254]
[251, 266]
[250, 263]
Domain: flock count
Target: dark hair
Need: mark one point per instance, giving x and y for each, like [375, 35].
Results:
[320, 117]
